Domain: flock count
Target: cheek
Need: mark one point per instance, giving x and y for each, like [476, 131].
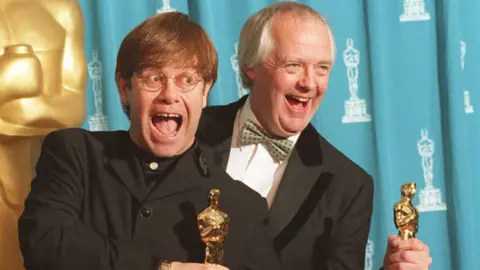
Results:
[323, 85]
[278, 84]
[193, 107]
[141, 104]
[285, 83]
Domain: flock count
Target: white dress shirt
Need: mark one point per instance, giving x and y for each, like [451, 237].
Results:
[252, 164]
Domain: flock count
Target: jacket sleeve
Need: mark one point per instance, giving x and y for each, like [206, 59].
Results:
[351, 235]
[51, 232]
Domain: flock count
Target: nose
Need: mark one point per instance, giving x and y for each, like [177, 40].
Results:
[307, 83]
[168, 94]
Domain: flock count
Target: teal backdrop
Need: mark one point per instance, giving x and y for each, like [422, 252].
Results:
[403, 100]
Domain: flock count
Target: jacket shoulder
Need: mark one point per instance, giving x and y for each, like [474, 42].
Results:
[343, 167]
[216, 114]
[78, 138]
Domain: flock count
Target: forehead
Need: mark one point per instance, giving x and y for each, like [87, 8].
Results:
[303, 37]
[169, 69]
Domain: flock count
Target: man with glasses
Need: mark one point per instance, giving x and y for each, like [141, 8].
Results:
[130, 200]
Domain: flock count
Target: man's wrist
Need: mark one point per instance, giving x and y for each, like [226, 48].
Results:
[165, 265]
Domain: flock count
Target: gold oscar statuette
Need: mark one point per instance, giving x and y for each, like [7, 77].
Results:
[405, 214]
[43, 76]
[213, 226]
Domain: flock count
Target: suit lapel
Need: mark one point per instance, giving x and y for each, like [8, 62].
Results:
[301, 174]
[124, 166]
[221, 157]
[216, 128]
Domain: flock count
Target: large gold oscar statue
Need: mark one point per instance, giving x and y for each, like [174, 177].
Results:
[42, 88]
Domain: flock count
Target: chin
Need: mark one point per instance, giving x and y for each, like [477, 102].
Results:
[292, 127]
[165, 147]
[169, 147]
[294, 130]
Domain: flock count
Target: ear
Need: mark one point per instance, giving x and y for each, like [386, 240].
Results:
[250, 73]
[206, 90]
[123, 88]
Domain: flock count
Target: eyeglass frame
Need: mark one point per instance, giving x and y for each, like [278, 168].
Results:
[142, 79]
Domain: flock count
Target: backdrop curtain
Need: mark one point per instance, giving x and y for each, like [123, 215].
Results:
[403, 100]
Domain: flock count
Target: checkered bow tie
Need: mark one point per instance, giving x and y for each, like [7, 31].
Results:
[279, 148]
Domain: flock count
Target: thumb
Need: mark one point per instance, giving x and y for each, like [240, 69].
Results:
[392, 244]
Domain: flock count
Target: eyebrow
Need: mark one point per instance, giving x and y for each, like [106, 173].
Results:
[286, 59]
[324, 62]
[159, 70]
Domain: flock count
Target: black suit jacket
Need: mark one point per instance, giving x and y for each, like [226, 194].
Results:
[89, 209]
[320, 217]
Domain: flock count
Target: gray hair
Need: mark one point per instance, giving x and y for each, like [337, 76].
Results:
[256, 40]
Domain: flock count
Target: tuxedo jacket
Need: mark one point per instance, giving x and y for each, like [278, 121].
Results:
[89, 209]
[320, 217]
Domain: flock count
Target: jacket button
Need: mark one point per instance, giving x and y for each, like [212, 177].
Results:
[146, 213]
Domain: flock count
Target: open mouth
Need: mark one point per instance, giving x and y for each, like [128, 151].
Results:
[167, 124]
[297, 103]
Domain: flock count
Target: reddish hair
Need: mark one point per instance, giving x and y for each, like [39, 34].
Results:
[167, 38]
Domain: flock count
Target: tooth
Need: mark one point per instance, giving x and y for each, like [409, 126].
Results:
[300, 99]
[168, 115]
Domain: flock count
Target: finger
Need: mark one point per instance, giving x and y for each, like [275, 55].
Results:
[404, 266]
[393, 239]
[415, 257]
[216, 267]
[393, 242]
[412, 244]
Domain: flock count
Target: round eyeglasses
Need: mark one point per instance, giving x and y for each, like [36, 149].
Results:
[154, 82]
